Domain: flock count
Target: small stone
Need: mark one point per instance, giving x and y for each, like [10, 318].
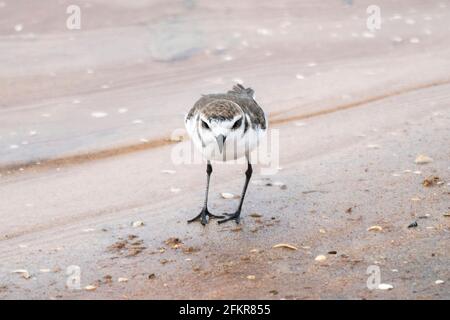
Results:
[423, 159]
[251, 277]
[227, 195]
[137, 224]
[320, 258]
[385, 286]
[90, 288]
[413, 225]
[273, 292]
[122, 280]
[255, 215]
[439, 281]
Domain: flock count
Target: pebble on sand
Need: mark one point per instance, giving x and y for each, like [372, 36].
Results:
[227, 195]
[255, 215]
[439, 281]
[385, 286]
[423, 159]
[320, 258]
[137, 224]
[90, 288]
[122, 279]
[375, 228]
[413, 225]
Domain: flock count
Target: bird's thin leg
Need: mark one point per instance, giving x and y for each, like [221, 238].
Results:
[204, 213]
[237, 215]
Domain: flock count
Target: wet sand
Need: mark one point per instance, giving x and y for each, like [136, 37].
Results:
[85, 122]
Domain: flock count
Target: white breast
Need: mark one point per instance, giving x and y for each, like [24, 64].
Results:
[235, 147]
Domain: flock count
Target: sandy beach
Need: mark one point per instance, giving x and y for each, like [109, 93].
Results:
[93, 205]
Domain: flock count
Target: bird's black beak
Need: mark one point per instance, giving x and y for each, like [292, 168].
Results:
[221, 141]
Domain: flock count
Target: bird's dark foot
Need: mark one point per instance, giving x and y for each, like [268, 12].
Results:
[202, 216]
[231, 216]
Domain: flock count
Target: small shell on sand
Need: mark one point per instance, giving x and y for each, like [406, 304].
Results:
[285, 245]
[25, 274]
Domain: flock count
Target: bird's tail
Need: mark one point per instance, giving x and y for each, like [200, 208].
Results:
[240, 89]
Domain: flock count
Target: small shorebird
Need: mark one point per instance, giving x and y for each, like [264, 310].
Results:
[225, 127]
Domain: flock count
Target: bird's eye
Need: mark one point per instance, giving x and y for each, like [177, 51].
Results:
[237, 124]
[205, 125]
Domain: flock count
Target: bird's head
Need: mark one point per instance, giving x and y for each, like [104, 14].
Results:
[221, 123]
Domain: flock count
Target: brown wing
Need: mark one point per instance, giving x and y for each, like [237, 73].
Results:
[239, 95]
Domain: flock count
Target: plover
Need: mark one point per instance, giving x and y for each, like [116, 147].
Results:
[225, 127]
